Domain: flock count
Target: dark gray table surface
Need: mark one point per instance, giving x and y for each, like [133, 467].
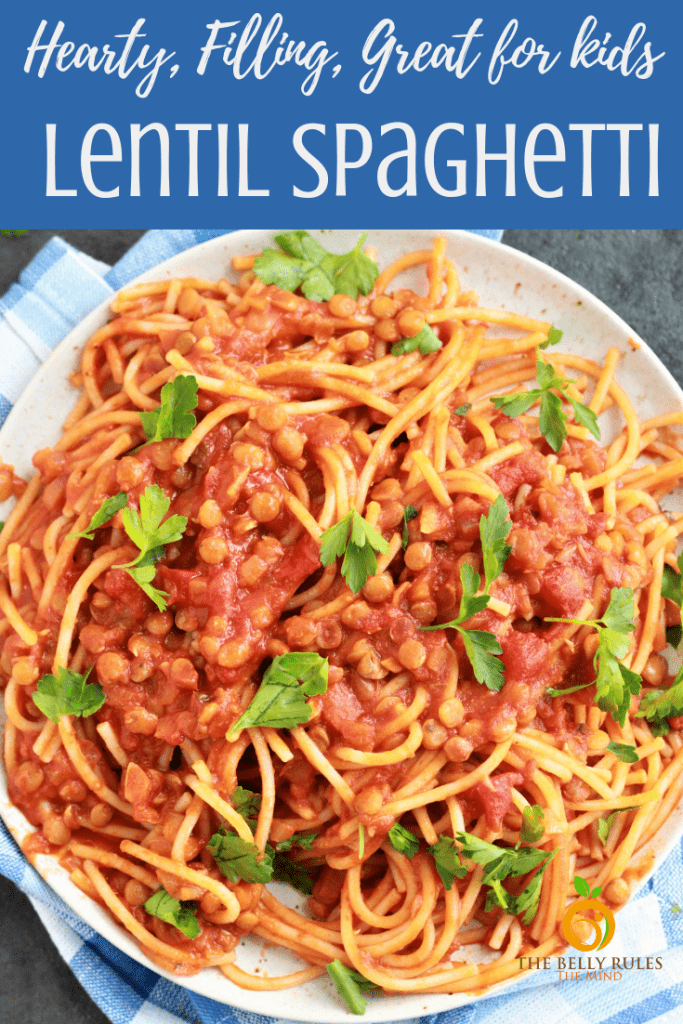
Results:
[639, 274]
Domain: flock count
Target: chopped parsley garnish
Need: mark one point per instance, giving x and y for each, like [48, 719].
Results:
[552, 421]
[554, 338]
[614, 683]
[672, 588]
[180, 913]
[605, 824]
[173, 418]
[320, 274]
[493, 530]
[625, 752]
[500, 863]
[409, 513]
[403, 841]
[533, 827]
[425, 341]
[286, 870]
[237, 858]
[280, 701]
[659, 705]
[246, 803]
[68, 693]
[106, 511]
[303, 840]
[462, 410]
[354, 538]
[481, 647]
[447, 861]
[151, 535]
[350, 985]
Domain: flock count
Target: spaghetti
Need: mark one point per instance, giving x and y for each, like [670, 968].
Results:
[305, 416]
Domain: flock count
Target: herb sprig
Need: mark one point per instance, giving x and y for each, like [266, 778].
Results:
[357, 541]
[482, 648]
[350, 985]
[425, 341]
[403, 841]
[67, 693]
[180, 913]
[320, 274]
[614, 683]
[659, 705]
[151, 535]
[106, 511]
[552, 421]
[280, 701]
[173, 418]
[672, 588]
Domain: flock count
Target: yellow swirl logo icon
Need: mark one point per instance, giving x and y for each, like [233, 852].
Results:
[577, 927]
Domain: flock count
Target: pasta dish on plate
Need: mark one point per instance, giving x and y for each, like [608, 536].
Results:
[338, 585]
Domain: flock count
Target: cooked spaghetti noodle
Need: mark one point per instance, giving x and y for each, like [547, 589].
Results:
[303, 415]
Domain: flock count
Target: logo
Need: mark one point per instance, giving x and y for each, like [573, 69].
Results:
[577, 927]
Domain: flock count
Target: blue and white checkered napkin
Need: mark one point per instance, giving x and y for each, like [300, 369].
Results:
[56, 290]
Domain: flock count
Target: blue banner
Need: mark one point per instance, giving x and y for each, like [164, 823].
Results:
[253, 113]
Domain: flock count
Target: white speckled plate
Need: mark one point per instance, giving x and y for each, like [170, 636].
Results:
[503, 278]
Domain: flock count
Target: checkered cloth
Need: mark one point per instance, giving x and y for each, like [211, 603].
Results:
[56, 291]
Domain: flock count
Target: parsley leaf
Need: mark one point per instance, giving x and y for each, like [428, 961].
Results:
[425, 340]
[354, 538]
[180, 913]
[304, 840]
[624, 751]
[552, 692]
[151, 536]
[500, 863]
[605, 824]
[403, 841]
[280, 701]
[144, 573]
[481, 647]
[672, 583]
[462, 410]
[493, 530]
[447, 861]
[350, 985]
[527, 901]
[552, 421]
[246, 803]
[319, 273]
[238, 859]
[106, 511]
[614, 683]
[554, 338]
[173, 417]
[298, 876]
[672, 588]
[659, 705]
[286, 870]
[146, 529]
[409, 513]
[68, 693]
[533, 828]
